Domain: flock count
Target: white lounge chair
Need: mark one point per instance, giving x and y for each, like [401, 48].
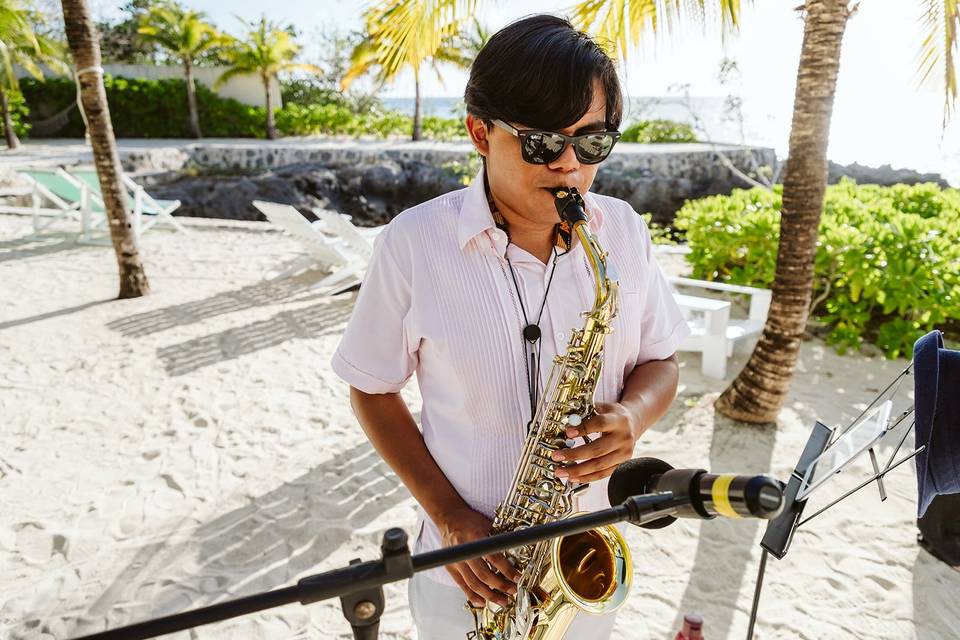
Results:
[320, 251]
[54, 195]
[359, 239]
[713, 332]
[141, 203]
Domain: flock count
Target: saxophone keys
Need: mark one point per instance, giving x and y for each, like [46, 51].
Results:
[573, 420]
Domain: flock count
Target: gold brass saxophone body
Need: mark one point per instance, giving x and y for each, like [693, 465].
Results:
[590, 571]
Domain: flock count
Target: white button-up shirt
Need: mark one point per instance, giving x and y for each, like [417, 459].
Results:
[438, 300]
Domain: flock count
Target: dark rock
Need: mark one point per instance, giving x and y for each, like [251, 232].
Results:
[884, 175]
[372, 193]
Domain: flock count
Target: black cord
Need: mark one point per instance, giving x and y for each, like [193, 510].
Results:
[534, 380]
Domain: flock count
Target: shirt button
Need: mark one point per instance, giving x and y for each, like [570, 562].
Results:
[559, 335]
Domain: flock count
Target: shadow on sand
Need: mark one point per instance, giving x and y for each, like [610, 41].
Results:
[313, 321]
[258, 547]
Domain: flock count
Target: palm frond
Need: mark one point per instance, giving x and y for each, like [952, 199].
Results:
[940, 22]
[621, 24]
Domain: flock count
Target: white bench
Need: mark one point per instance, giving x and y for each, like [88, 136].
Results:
[713, 333]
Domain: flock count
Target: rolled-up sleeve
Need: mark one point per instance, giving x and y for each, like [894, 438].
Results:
[663, 327]
[377, 354]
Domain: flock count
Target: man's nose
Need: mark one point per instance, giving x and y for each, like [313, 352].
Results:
[567, 161]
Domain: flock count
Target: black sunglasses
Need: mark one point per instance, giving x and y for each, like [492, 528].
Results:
[544, 147]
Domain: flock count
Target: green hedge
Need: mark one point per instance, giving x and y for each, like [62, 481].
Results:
[147, 108]
[19, 114]
[335, 119]
[158, 109]
[887, 260]
[649, 131]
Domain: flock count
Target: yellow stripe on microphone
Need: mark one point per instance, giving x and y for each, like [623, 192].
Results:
[721, 497]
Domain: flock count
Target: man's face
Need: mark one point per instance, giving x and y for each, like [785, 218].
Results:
[522, 188]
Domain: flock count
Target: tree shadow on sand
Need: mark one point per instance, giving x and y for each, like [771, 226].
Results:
[725, 547]
[326, 318]
[42, 244]
[268, 292]
[255, 548]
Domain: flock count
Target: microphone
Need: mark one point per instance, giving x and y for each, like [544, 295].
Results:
[710, 495]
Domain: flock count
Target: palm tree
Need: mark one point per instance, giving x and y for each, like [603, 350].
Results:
[186, 36]
[758, 392]
[267, 51]
[390, 50]
[84, 44]
[19, 45]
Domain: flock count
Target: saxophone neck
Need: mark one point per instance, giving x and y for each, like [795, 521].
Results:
[571, 207]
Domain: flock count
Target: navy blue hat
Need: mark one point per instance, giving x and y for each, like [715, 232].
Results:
[937, 413]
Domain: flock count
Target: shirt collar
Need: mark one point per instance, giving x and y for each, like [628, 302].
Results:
[475, 216]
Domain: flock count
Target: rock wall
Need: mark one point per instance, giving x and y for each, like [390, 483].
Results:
[375, 181]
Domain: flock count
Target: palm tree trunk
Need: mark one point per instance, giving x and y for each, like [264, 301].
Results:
[271, 126]
[417, 117]
[85, 47]
[192, 100]
[13, 142]
[758, 392]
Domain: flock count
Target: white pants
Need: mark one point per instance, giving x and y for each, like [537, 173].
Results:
[439, 614]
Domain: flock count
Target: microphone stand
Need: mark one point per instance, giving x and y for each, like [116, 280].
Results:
[360, 585]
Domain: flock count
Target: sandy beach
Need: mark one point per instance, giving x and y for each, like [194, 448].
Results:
[193, 446]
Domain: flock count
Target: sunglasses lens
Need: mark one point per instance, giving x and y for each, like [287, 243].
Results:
[593, 148]
[542, 147]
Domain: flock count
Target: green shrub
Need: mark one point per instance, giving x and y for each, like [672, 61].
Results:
[19, 114]
[648, 131]
[337, 119]
[659, 234]
[142, 108]
[887, 265]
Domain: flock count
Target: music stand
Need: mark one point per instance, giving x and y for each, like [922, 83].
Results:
[832, 450]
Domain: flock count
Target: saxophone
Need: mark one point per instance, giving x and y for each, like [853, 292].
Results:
[589, 571]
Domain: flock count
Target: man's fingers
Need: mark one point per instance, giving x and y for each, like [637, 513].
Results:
[501, 564]
[491, 579]
[594, 469]
[479, 586]
[597, 448]
[475, 599]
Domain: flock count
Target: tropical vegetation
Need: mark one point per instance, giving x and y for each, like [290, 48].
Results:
[887, 263]
[387, 51]
[266, 51]
[185, 35]
[20, 45]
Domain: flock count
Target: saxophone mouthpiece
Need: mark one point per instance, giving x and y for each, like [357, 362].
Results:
[569, 205]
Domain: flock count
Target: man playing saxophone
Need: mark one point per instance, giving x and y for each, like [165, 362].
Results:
[478, 290]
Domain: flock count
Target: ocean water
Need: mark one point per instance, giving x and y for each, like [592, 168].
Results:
[913, 144]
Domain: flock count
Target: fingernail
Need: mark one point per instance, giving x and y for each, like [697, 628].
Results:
[557, 455]
[571, 433]
[561, 473]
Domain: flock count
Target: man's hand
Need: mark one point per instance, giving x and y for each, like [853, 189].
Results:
[619, 431]
[481, 579]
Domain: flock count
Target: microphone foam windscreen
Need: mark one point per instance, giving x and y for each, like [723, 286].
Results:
[633, 478]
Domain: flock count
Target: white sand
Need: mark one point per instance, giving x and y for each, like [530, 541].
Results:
[193, 446]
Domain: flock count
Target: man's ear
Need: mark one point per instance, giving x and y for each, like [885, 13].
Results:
[478, 134]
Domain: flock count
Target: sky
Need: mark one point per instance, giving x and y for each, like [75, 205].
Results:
[881, 114]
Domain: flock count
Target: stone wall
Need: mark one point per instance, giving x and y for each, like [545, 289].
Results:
[376, 180]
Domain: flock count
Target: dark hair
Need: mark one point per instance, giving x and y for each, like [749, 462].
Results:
[539, 72]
